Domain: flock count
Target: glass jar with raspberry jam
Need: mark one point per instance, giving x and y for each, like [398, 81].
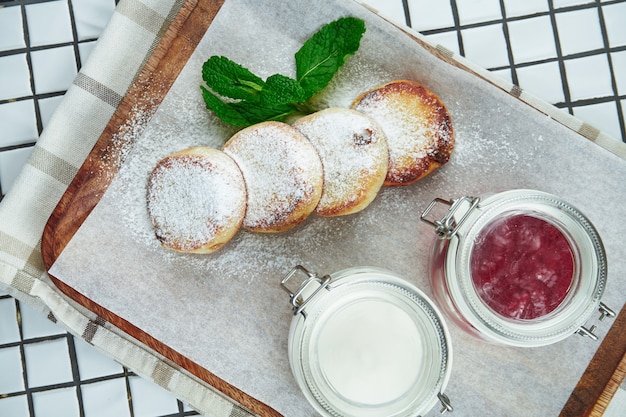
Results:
[521, 267]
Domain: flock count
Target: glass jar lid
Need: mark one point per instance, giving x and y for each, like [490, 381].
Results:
[369, 344]
[547, 220]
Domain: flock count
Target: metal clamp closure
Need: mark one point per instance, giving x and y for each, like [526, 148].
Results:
[298, 298]
[445, 402]
[448, 226]
[605, 312]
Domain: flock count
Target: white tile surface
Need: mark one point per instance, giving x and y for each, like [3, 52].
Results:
[504, 74]
[47, 106]
[18, 121]
[106, 399]
[34, 324]
[15, 79]
[47, 363]
[543, 81]
[565, 3]
[150, 400]
[12, 30]
[615, 21]
[426, 14]
[532, 39]
[603, 116]
[92, 363]
[579, 31]
[56, 403]
[588, 77]
[473, 11]
[11, 371]
[91, 17]
[14, 406]
[486, 46]
[49, 23]
[515, 8]
[11, 163]
[54, 69]
[9, 332]
[450, 40]
[85, 49]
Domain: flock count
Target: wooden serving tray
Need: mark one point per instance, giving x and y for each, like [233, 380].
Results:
[590, 397]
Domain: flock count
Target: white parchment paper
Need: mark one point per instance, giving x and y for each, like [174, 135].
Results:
[226, 311]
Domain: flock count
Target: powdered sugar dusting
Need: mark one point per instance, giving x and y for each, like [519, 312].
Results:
[408, 137]
[122, 141]
[283, 174]
[416, 123]
[358, 75]
[353, 150]
[194, 200]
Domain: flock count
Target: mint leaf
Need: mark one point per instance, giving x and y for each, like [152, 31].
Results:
[280, 89]
[230, 79]
[253, 100]
[224, 111]
[245, 113]
[257, 113]
[326, 51]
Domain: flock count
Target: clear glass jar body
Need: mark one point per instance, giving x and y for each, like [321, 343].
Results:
[364, 342]
[454, 285]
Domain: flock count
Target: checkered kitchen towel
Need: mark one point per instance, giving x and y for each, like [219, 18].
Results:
[131, 36]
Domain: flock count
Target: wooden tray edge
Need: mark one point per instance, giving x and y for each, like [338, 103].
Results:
[603, 375]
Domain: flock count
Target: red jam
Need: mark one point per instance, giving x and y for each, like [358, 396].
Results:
[522, 266]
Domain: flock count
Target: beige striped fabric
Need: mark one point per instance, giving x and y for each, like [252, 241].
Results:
[133, 32]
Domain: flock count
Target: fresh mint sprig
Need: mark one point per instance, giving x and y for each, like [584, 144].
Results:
[241, 98]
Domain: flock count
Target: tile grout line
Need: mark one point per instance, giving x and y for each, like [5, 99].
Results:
[27, 391]
[407, 13]
[526, 16]
[567, 103]
[75, 42]
[129, 394]
[76, 374]
[31, 72]
[607, 51]
[457, 26]
[509, 47]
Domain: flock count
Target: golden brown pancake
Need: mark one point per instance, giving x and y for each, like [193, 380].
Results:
[283, 175]
[196, 200]
[417, 125]
[354, 154]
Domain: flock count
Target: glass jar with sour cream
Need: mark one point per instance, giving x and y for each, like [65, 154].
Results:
[365, 342]
[520, 267]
